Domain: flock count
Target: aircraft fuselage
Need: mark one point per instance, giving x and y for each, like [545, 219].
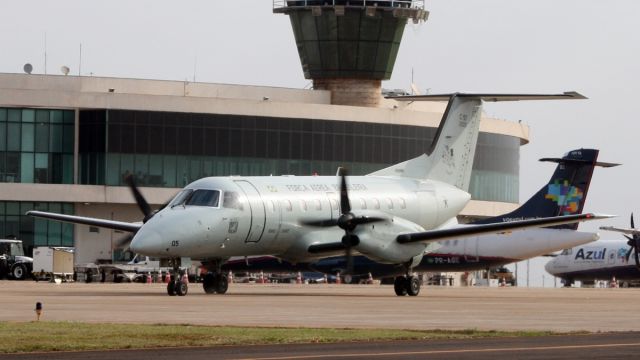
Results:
[262, 216]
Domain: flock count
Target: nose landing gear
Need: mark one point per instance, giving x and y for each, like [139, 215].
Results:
[177, 284]
[406, 285]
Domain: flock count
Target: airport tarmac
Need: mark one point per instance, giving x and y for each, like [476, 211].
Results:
[336, 306]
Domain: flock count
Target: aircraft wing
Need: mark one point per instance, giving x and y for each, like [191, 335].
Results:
[109, 224]
[495, 228]
[621, 230]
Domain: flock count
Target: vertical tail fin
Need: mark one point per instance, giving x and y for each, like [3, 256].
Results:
[452, 151]
[564, 194]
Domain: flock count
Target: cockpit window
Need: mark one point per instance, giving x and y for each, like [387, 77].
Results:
[202, 197]
[198, 197]
[181, 197]
[232, 200]
[566, 252]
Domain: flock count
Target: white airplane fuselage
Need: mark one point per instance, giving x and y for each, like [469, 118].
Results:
[603, 259]
[493, 250]
[265, 217]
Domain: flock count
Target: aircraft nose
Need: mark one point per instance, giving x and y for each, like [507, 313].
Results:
[550, 266]
[146, 242]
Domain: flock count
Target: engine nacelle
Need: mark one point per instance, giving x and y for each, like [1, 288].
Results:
[378, 242]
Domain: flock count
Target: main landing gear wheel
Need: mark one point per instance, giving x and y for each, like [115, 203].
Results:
[413, 286]
[399, 285]
[223, 284]
[209, 283]
[215, 283]
[406, 285]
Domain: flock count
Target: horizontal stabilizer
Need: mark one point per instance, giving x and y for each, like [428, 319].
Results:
[579, 162]
[569, 95]
[109, 224]
[494, 228]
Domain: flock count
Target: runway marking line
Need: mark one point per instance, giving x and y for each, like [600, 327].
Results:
[435, 352]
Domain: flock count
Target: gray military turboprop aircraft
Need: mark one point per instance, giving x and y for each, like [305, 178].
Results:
[399, 213]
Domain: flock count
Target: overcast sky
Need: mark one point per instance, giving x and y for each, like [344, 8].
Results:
[466, 45]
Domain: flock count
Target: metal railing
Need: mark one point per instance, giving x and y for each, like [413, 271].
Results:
[411, 4]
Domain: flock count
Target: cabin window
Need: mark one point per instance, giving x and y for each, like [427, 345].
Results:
[303, 205]
[232, 200]
[390, 204]
[334, 204]
[363, 204]
[287, 205]
[376, 203]
[318, 204]
[273, 206]
[403, 203]
[204, 198]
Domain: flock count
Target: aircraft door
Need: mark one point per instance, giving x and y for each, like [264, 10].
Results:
[256, 206]
[471, 250]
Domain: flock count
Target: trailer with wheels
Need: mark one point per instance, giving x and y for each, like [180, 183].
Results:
[50, 263]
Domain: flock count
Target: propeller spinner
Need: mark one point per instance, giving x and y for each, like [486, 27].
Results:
[347, 221]
[144, 207]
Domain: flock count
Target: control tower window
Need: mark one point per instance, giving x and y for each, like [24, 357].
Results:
[204, 198]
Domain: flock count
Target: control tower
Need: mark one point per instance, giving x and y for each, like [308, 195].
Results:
[349, 47]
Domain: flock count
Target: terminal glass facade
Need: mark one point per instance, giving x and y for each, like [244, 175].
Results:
[36, 145]
[163, 149]
[35, 232]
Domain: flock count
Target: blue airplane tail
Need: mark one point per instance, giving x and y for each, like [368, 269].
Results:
[566, 192]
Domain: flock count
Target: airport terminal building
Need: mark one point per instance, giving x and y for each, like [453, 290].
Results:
[68, 142]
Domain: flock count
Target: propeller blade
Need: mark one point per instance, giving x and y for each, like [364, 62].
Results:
[349, 241]
[349, 256]
[140, 200]
[632, 224]
[345, 206]
[626, 256]
[320, 223]
[631, 240]
[367, 220]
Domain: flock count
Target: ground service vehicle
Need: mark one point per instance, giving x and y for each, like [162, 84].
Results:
[13, 263]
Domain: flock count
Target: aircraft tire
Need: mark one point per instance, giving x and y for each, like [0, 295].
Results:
[399, 285]
[209, 283]
[182, 288]
[171, 288]
[222, 285]
[413, 286]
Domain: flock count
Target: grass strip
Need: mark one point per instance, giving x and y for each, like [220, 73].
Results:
[74, 336]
